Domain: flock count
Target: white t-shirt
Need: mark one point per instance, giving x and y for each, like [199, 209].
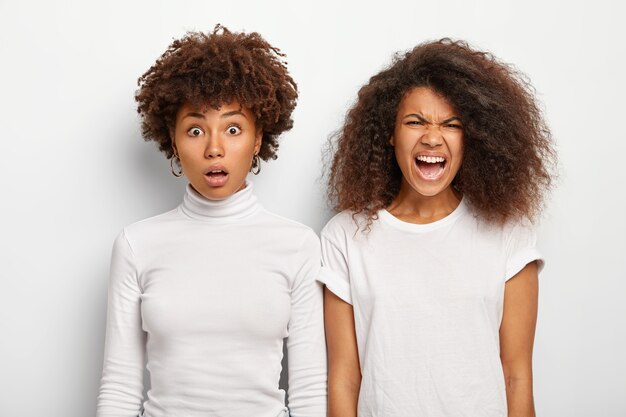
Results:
[205, 295]
[427, 303]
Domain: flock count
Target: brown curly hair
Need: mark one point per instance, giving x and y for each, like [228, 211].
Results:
[508, 158]
[214, 69]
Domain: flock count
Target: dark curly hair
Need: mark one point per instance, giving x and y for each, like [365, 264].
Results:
[214, 69]
[508, 155]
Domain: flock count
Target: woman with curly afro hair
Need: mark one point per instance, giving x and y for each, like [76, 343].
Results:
[204, 295]
[431, 267]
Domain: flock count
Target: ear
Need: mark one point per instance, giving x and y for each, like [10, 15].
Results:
[258, 140]
[392, 141]
[172, 140]
[173, 145]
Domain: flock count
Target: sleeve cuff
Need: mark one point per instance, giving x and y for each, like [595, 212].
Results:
[521, 260]
[335, 284]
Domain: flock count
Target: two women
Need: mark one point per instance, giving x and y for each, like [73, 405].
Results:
[430, 268]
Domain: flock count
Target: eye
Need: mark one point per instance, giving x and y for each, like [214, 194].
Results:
[454, 126]
[233, 130]
[414, 123]
[195, 131]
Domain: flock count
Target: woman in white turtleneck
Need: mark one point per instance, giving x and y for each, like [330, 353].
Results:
[203, 295]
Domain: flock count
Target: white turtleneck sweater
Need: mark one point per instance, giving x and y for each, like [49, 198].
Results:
[204, 295]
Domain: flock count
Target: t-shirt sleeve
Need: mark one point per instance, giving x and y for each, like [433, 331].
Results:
[306, 342]
[521, 249]
[335, 274]
[121, 386]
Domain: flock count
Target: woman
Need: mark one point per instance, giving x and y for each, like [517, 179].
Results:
[431, 267]
[204, 294]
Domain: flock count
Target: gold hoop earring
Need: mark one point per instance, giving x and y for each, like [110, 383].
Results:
[180, 171]
[256, 164]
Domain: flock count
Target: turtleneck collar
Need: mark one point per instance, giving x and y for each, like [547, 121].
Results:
[239, 205]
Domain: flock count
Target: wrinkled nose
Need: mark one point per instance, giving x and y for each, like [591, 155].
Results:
[432, 137]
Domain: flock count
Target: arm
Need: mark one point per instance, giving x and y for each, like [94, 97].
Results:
[121, 387]
[344, 372]
[517, 333]
[305, 343]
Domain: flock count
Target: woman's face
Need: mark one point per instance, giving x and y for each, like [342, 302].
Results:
[428, 142]
[216, 147]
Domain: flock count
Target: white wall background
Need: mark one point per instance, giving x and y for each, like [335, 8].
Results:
[75, 169]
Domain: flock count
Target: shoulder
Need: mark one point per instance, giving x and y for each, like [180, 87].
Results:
[511, 231]
[510, 236]
[148, 229]
[343, 223]
[282, 229]
[520, 232]
[285, 223]
[294, 243]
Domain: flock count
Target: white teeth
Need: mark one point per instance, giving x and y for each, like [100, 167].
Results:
[430, 159]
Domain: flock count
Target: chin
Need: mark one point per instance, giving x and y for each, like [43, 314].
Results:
[213, 193]
[216, 197]
[431, 190]
[430, 193]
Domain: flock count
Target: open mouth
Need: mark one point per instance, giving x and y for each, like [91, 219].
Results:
[216, 173]
[430, 167]
[216, 176]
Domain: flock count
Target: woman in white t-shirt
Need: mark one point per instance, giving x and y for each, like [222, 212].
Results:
[204, 294]
[431, 267]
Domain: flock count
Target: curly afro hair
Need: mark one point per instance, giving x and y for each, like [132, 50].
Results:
[214, 69]
[508, 155]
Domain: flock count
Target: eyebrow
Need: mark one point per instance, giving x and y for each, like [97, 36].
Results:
[450, 119]
[424, 120]
[222, 116]
[194, 114]
[233, 113]
[418, 116]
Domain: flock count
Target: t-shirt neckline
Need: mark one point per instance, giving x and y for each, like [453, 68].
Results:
[393, 221]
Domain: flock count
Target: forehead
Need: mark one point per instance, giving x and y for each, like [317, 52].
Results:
[425, 101]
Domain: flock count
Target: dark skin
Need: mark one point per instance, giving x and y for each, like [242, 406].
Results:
[344, 371]
[517, 334]
[426, 125]
[500, 117]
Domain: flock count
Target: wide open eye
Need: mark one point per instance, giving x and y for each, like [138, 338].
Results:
[195, 131]
[233, 130]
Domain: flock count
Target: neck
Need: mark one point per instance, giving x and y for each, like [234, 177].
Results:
[412, 207]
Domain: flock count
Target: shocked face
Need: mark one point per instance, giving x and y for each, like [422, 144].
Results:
[428, 142]
[216, 147]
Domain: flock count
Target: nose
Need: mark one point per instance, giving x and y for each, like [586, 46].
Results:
[214, 147]
[432, 137]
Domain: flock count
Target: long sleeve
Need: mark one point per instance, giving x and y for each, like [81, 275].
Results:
[306, 345]
[121, 387]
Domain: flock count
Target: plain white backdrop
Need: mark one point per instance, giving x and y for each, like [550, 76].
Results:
[75, 170]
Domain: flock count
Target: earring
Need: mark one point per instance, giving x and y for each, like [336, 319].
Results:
[256, 164]
[180, 170]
